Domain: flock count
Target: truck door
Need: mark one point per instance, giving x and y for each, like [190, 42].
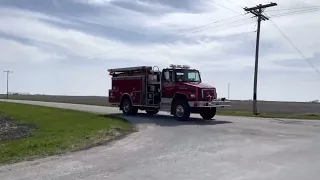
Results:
[168, 85]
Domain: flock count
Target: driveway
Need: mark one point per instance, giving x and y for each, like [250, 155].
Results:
[224, 149]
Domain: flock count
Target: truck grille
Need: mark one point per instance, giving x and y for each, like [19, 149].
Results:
[208, 94]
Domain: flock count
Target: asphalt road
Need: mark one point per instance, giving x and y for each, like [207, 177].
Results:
[229, 148]
[263, 106]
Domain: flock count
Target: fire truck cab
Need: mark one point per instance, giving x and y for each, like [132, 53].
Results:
[177, 89]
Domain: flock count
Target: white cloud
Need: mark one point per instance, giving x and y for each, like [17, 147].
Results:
[95, 2]
[82, 44]
[28, 15]
[153, 6]
[14, 52]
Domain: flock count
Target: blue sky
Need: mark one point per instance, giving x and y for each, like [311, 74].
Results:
[66, 46]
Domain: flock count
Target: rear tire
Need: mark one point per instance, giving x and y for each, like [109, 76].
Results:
[208, 113]
[152, 112]
[181, 110]
[127, 108]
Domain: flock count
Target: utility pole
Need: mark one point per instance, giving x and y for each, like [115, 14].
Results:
[228, 91]
[8, 72]
[257, 11]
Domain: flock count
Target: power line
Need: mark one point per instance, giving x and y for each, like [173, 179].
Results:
[171, 47]
[208, 25]
[192, 31]
[233, 3]
[231, 27]
[225, 7]
[303, 8]
[296, 48]
[154, 40]
[294, 13]
[195, 29]
[212, 27]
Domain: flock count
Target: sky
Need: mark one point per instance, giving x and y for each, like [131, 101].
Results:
[65, 47]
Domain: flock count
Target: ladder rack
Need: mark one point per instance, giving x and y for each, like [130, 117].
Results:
[128, 69]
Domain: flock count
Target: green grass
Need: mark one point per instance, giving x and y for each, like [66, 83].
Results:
[269, 115]
[58, 131]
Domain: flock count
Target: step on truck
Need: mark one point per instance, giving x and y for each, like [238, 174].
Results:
[177, 89]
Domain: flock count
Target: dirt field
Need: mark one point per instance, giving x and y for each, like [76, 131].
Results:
[263, 106]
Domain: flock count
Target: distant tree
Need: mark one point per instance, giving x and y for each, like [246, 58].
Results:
[315, 101]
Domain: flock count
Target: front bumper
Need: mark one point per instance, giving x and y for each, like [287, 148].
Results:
[215, 103]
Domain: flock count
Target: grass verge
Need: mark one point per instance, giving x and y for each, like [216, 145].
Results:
[269, 115]
[57, 131]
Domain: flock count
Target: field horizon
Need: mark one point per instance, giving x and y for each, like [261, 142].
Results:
[280, 107]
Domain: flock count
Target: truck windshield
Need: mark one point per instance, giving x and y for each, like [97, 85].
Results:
[188, 76]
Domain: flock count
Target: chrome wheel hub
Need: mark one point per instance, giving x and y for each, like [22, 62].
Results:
[179, 111]
[126, 106]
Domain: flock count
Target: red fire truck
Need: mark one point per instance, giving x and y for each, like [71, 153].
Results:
[177, 89]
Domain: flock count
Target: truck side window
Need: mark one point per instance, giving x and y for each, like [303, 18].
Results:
[172, 76]
[166, 76]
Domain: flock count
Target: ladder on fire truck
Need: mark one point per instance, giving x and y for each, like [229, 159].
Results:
[153, 87]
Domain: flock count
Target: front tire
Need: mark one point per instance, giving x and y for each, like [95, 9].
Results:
[181, 110]
[208, 113]
[127, 108]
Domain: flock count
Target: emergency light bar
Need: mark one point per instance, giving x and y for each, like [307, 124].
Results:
[186, 66]
[179, 66]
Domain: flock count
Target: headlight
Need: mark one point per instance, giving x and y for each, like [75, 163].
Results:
[192, 96]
